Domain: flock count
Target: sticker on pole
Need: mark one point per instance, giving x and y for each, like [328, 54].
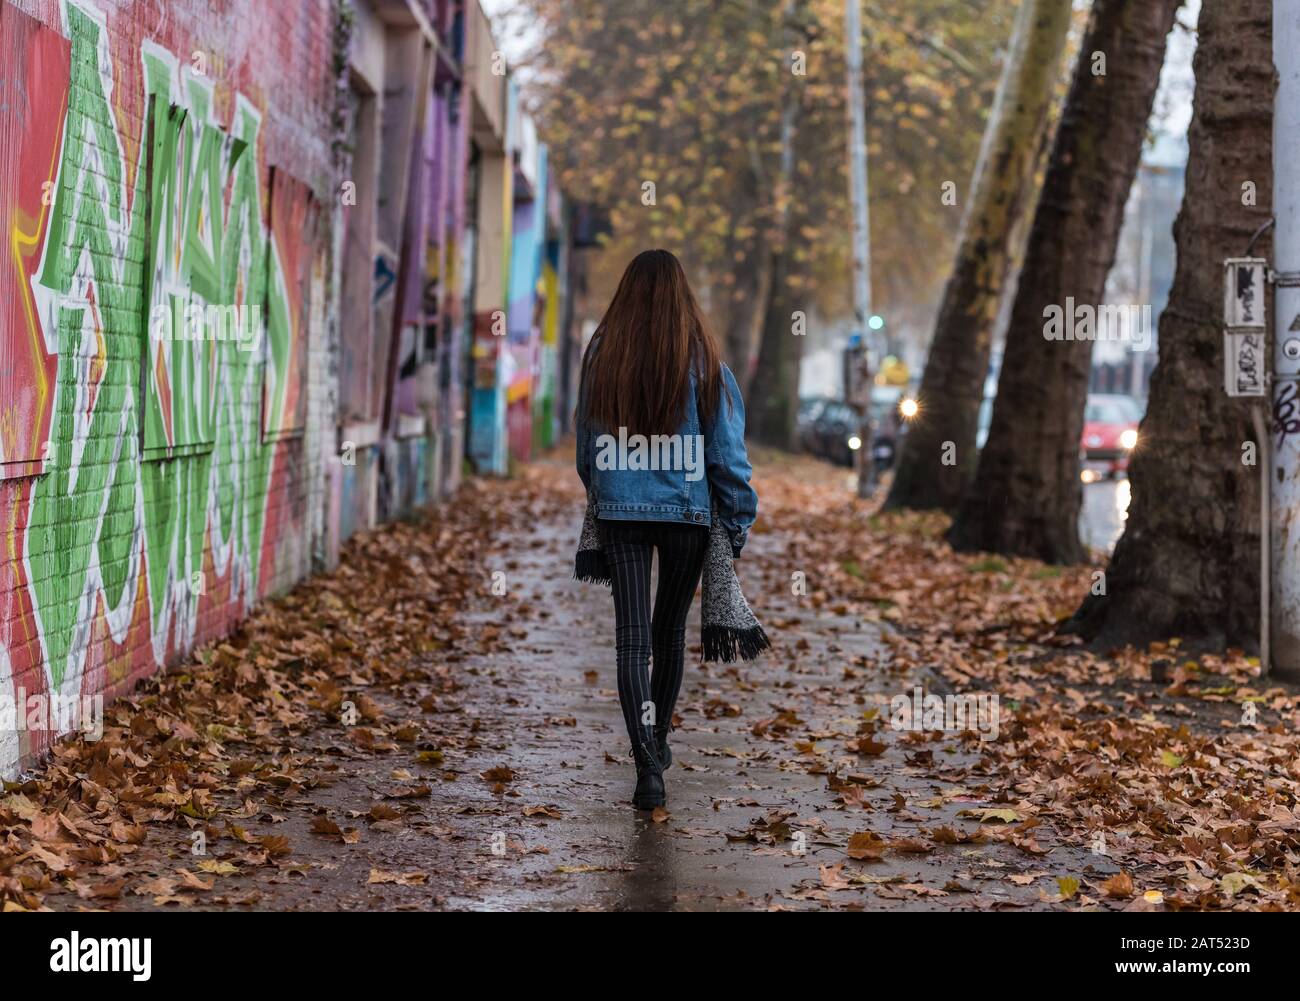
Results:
[1243, 364]
[1243, 292]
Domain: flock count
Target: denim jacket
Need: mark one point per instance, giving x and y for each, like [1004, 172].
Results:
[665, 478]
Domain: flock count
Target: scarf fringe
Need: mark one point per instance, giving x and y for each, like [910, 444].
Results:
[589, 566]
[726, 644]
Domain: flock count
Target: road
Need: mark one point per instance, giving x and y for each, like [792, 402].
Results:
[1105, 506]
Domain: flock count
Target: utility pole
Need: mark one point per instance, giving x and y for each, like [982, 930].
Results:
[1284, 505]
[860, 384]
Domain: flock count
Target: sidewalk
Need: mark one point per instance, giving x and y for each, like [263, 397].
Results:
[436, 726]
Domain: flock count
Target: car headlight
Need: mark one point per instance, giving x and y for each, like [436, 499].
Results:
[855, 442]
[1128, 439]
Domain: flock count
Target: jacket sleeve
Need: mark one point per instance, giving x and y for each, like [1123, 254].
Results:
[728, 466]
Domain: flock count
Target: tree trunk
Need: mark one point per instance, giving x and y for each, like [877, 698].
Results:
[938, 454]
[1187, 563]
[774, 391]
[773, 400]
[1026, 496]
[745, 310]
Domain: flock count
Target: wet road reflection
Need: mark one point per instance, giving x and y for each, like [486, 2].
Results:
[1105, 508]
[649, 883]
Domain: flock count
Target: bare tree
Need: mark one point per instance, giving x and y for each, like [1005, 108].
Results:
[938, 455]
[1185, 563]
[1026, 496]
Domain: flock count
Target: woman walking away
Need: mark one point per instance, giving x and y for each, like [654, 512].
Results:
[661, 452]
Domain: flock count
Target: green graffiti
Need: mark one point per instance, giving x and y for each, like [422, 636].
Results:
[133, 486]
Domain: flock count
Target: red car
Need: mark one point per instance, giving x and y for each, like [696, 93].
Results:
[1110, 433]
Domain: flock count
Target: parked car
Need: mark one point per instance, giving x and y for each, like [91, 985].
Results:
[1110, 433]
[807, 432]
[829, 428]
[892, 409]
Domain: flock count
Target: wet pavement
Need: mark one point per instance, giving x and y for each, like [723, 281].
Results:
[761, 806]
[505, 783]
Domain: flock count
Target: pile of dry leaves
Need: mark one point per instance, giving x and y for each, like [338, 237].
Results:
[1182, 770]
[229, 735]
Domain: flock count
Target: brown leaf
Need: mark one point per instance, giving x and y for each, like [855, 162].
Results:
[866, 845]
[832, 876]
[400, 878]
[192, 882]
[323, 825]
[275, 845]
[1119, 886]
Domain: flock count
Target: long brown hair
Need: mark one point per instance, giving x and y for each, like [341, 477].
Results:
[636, 371]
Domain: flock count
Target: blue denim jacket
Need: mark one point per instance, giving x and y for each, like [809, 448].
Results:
[657, 479]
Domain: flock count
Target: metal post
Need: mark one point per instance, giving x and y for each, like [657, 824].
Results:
[861, 229]
[1284, 506]
[1259, 417]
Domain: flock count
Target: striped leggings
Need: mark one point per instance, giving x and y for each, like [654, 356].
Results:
[641, 633]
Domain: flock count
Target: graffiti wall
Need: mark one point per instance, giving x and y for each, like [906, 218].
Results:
[165, 254]
[246, 248]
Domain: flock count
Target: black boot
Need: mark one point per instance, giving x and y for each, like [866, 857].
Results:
[649, 779]
[662, 750]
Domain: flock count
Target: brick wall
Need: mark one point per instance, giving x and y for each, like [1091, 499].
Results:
[157, 162]
[202, 286]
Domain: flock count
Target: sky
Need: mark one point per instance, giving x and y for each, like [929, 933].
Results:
[515, 35]
[1172, 112]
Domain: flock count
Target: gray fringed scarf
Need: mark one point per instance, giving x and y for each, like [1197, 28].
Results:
[730, 628]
